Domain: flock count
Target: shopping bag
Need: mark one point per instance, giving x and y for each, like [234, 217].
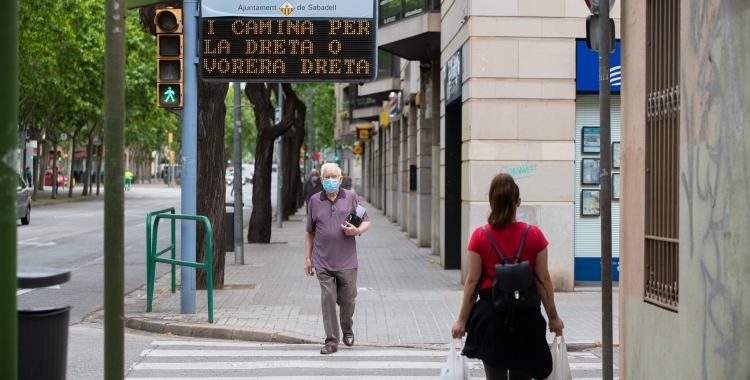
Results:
[456, 367]
[560, 365]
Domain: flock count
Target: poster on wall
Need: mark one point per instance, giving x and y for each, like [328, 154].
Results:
[616, 186]
[616, 155]
[590, 139]
[590, 203]
[590, 171]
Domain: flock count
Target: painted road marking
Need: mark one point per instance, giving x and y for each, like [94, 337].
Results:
[277, 353]
[24, 291]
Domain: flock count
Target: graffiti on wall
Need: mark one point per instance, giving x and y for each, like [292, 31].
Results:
[715, 179]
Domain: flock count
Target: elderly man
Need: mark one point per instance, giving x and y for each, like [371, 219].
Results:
[312, 185]
[331, 249]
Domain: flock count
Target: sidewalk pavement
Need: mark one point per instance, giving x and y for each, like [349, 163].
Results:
[404, 296]
[44, 197]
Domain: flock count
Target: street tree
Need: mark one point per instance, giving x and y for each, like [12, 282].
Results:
[211, 189]
[260, 96]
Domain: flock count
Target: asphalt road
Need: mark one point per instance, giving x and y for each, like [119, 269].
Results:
[71, 236]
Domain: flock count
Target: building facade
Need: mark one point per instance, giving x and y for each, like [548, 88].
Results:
[684, 302]
[469, 89]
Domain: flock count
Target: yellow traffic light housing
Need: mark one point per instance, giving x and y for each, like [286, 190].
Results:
[168, 20]
[169, 48]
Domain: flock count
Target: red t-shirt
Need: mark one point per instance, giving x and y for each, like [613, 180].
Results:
[508, 239]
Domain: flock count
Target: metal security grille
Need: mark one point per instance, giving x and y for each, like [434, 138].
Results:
[662, 154]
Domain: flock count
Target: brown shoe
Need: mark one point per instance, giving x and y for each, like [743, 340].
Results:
[328, 349]
[349, 339]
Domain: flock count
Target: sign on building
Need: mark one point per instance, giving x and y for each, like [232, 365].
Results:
[452, 76]
[288, 41]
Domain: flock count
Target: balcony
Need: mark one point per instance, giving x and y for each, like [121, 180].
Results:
[409, 29]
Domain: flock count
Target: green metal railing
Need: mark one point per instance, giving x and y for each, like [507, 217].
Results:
[153, 256]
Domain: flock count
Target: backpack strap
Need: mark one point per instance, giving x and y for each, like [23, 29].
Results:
[523, 241]
[520, 248]
[495, 245]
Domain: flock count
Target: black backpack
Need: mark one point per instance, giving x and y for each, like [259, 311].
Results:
[514, 287]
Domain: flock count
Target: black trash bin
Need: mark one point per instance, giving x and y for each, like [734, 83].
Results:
[43, 343]
[230, 230]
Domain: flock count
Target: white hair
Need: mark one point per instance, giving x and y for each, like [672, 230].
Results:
[328, 166]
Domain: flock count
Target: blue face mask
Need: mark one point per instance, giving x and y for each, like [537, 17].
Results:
[331, 185]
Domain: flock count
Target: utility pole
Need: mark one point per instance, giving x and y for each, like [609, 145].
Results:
[239, 253]
[114, 189]
[8, 123]
[606, 185]
[189, 155]
[279, 176]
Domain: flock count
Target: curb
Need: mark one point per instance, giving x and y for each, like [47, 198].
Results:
[209, 331]
[79, 198]
[218, 332]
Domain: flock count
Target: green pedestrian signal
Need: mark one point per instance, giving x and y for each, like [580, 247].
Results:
[170, 95]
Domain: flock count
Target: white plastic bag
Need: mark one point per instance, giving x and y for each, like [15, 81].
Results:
[560, 365]
[456, 366]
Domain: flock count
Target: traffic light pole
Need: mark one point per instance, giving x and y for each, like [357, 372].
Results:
[239, 253]
[8, 123]
[606, 184]
[189, 154]
[114, 190]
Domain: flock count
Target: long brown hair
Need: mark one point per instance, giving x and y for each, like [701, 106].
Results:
[504, 195]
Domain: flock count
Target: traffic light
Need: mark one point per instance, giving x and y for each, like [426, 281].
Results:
[99, 150]
[171, 156]
[169, 138]
[336, 158]
[169, 57]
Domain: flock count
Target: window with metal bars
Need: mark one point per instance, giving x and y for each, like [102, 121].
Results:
[662, 153]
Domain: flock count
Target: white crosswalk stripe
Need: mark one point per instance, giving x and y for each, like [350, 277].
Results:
[204, 360]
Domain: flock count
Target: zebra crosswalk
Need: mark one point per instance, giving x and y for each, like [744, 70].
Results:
[206, 360]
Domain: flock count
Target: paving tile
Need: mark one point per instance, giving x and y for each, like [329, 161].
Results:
[403, 296]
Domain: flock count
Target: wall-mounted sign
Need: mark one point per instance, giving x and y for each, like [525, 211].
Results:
[587, 68]
[453, 77]
[285, 41]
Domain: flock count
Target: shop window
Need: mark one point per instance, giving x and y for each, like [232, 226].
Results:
[662, 154]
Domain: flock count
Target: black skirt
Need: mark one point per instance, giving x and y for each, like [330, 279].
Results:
[515, 340]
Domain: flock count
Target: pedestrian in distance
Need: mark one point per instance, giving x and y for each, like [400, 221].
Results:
[331, 249]
[28, 177]
[312, 185]
[128, 179]
[346, 183]
[511, 343]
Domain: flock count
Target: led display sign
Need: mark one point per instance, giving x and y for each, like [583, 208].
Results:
[321, 44]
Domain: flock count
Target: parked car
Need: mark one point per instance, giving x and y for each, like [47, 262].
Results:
[61, 178]
[23, 201]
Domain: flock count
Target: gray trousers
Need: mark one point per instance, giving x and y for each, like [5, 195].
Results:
[337, 288]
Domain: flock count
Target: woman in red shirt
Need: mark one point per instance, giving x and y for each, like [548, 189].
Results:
[516, 341]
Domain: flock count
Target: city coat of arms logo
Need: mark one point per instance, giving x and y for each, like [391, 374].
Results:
[286, 8]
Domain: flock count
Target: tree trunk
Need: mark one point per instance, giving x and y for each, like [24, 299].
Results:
[87, 175]
[259, 94]
[211, 188]
[98, 174]
[72, 156]
[292, 143]
[54, 170]
[43, 157]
